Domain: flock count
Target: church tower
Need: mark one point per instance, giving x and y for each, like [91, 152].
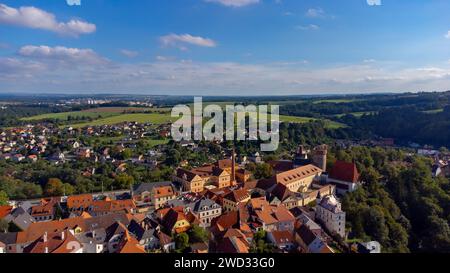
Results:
[319, 156]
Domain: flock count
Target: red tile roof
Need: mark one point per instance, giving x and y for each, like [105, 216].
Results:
[344, 171]
[4, 211]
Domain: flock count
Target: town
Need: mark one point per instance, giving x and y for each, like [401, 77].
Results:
[217, 207]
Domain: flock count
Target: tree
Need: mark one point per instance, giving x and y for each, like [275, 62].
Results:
[124, 181]
[198, 234]
[181, 242]
[54, 187]
[3, 198]
[126, 154]
[3, 226]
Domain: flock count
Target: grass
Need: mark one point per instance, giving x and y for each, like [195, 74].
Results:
[334, 101]
[156, 142]
[356, 114]
[94, 113]
[65, 116]
[116, 115]
[155, 118]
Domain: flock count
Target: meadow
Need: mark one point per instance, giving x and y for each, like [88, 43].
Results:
[116, 115]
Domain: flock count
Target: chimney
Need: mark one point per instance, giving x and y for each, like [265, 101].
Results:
[46, 250]
[233, 166]
[45, 237]
[62, 235]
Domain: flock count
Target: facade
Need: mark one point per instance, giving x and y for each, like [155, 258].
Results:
[156, 194]
[206, 210]
[190, 181]
[231, 200]
[329, 212]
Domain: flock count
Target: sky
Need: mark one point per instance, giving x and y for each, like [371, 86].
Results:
[224, 47]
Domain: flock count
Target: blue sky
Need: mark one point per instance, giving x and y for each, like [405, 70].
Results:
[217, 47]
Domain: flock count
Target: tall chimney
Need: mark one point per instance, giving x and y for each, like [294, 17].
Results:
[233, 167]
[45, 237]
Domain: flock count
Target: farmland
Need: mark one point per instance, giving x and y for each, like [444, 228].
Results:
[116, 115]
[155, 118]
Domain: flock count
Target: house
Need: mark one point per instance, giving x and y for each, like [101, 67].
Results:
[166, 242]
[120, 241]
[242, 175]
[298, 179]
[199, 248]
[205, 210]
[5, 211]
[329, 213]
[157, 194]
[79, 202]
[234, 241]
[147, 237]
[92, 241]
[19, 218]
[55, 242]
[309, 242]
[344, 176]
[271, 217]
[283, 240]
[234, 220]
[45, 211]
[190, 181]
[231, 200]
[104, 207]
[175, 220]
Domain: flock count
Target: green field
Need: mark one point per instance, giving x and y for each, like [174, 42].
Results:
[65, 116]
[116, 115]
[155, 118]
[334, 101]
[356, 114]
[94, 113]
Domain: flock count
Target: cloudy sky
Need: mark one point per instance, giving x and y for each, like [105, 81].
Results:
[224, 47]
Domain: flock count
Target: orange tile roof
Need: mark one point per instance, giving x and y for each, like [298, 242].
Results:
[163, 191]
[58, 242]
[77, 201]
[297, 174]
[113, 206]
[5, 210]
[237, 195]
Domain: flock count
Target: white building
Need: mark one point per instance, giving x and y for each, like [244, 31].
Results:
[329, 213]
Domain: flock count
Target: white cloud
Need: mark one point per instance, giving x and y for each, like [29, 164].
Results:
[129, 53]
[41, 69]
[308, 27]
[180, 41]
[447, 35]
[374, 2]
[234, 3]
[35, 18]
[315, 13]
[73, 2]
[62, 54]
